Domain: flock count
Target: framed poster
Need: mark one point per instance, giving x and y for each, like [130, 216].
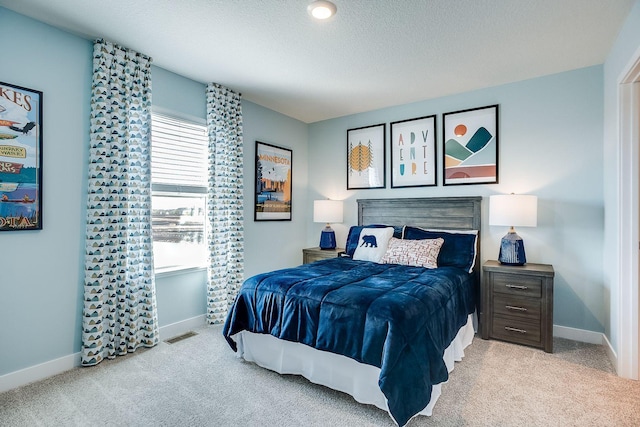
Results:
[366, 157]
[470, 154]
[413, 152]
[273, 183]
[20, 158]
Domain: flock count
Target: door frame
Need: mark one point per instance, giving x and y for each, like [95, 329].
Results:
[628, 360]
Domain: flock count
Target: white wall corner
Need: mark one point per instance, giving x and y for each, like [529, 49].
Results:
[578, 335]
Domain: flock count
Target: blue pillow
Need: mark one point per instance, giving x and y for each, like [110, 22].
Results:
[458, 250]
[354, 236]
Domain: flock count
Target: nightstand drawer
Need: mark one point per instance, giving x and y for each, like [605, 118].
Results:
[517, 303]
[513, 284]
[516, 330]
[521, 307]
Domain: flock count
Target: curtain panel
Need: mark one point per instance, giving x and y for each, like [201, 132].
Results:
[225, 201]
[119, 313]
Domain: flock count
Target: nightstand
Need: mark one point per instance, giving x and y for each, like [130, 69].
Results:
[518, 304]
[315, 254]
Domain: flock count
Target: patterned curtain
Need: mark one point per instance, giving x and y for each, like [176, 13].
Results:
[119, 312]
[224, 201]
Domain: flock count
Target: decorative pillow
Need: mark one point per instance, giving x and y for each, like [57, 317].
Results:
[354, 236]
[416, 253]
[372, 244]
[459, 248]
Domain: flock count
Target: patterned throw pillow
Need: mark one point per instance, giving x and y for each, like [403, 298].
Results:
[416, 253]
[372, 244]
[458, 250]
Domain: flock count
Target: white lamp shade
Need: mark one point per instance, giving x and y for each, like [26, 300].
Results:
[513, 210]
[327, 211]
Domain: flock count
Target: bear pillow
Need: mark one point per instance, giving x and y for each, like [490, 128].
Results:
[372, 244]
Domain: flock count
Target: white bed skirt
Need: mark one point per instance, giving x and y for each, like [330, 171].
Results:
[335, 371]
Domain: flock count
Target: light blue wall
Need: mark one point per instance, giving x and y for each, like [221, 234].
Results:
[275, 244]
[268, 244]
[178, 95]
[550, 146]
[41, 279]
[625, 47]
[41, 272]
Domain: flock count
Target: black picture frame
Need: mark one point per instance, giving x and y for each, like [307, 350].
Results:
[20, 158]
[470, 146]
[366, 157]
[413, 151]
[273, 183]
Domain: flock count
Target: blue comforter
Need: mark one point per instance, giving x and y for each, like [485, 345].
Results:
[397, 318]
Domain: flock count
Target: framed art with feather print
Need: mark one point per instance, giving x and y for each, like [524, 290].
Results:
[366, 157]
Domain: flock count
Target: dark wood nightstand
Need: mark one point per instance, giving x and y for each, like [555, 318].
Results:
[314, 254]
[518, 304]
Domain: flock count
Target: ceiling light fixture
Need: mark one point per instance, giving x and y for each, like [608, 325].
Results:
[322, 9]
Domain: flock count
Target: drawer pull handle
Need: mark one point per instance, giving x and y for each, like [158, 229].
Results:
[511, 307]
[509, 328]
[520, 287]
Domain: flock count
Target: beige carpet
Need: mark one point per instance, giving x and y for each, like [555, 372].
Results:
[199, 382]
[501, 384]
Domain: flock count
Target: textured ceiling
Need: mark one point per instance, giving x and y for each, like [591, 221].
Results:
[372, 54]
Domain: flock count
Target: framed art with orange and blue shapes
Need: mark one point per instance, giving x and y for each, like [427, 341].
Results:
[470, 152]
[366, 157]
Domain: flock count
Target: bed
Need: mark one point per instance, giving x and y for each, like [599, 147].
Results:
[387, 334]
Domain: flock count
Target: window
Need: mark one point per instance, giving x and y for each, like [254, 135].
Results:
[179, 193]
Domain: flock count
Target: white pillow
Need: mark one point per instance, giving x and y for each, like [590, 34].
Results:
[372, 244]
[415, 253]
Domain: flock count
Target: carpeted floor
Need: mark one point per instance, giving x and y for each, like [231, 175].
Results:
[200, 382]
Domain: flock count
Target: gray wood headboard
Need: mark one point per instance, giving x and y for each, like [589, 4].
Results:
[444, 213]
[457, 213]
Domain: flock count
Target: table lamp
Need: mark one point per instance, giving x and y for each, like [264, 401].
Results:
[513, 210]
[327, 211]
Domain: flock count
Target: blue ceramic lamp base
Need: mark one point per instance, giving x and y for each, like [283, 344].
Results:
[512, 250]
[328, 238]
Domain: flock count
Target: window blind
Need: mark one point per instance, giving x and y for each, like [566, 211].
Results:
[178, 152]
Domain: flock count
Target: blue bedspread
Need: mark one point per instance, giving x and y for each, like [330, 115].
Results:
[397, 318]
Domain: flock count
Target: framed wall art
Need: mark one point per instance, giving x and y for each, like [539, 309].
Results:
[273, 183]
[470, 153]
[413, 152]
[366, 157]
[20, 158]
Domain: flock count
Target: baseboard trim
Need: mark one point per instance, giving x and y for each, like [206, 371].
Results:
[588, 337]
[53, 367]
[581, 335]
[38, 372]
[181, 327]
